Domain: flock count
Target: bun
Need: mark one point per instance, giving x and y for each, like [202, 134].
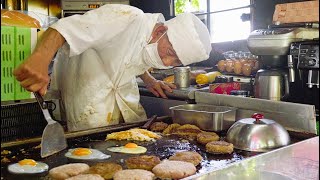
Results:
[16, 18]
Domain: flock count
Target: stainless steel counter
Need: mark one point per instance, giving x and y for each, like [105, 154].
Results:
[299, 161]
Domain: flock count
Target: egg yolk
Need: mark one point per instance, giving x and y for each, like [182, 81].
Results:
[131, 145]
[30, 162]
[81, 152]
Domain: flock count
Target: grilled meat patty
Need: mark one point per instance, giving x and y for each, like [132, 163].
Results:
[206, 137]
[187, 131]
[68, 170]
[133, 174]
[171, 129]
[187, 156]
[142, 162]
[174, 169]
[104, 169]
[219, 147]
[86, 177]
[158, 126]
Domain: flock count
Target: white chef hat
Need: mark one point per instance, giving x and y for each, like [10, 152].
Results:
[189, 37]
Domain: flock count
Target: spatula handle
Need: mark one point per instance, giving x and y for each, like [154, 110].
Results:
[40, 100]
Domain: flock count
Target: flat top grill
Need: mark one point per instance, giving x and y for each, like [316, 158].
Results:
[163, 148]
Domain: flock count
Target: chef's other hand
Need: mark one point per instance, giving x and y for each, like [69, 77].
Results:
[157, 87]
[33, 74]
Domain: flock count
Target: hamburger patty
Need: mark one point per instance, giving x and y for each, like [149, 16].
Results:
[104, 169]
[205, 137]
[158, 126]
[133, 174]
[188, 131]
[187, 156]
[142, 162]
[86, 177]
[219, 147]
[68, 170]
[174, 169]
[171, 129]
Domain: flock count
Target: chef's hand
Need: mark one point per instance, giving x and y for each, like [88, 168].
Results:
[33, 74]
[157, 88]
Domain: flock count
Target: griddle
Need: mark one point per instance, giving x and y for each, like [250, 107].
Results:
[163, 148]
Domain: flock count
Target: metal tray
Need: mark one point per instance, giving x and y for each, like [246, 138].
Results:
[206, 117]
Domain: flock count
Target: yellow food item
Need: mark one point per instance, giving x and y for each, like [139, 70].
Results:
[246, 69]
[207, 78]
[30, 162]
[130, 148]
[222, 65]
[81, 152]
[237, 67]
[16, 18]
[169, 79]
[229, 66]
[133, 134]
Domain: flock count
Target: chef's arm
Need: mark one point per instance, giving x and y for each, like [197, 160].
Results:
[33, 72]
[156, 86]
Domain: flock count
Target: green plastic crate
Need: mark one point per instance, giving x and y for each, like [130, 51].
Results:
[23, 46]
[17, 48]
[7, 63]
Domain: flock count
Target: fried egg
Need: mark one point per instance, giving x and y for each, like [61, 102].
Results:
[86, 153]
[28, 166]
[130, 148]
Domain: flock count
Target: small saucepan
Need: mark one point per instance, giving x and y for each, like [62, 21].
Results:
[257, 134]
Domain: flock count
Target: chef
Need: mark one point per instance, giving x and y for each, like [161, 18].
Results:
[98, 55]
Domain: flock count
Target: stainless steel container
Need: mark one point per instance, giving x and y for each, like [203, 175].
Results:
[182, 77]
[271, 84]
[206, 117]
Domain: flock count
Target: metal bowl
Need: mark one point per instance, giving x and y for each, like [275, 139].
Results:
[257, 134]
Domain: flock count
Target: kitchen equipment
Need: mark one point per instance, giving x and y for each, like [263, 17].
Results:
[303, 63]
[53, 139]
[272, 46]
[206, 117]
[271, 84]
[95, 138]
[72, 7]
[182, 77]
[257, 134]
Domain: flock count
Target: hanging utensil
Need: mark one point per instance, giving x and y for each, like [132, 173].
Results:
[53, 139]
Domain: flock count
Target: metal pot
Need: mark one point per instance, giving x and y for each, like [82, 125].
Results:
[257, 134]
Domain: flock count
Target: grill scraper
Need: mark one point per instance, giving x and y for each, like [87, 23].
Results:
[53, 139]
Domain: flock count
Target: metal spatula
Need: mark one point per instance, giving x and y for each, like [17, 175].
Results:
[53, 139]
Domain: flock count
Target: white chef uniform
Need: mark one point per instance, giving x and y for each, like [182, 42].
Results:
[96, 68]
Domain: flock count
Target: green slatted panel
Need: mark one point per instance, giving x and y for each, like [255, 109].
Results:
[22, 51]
[7, 63]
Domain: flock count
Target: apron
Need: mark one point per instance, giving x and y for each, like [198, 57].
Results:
[98, 86]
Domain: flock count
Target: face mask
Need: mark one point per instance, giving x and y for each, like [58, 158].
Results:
[151, 55]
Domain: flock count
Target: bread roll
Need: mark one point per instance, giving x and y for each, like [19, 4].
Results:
[16, 18]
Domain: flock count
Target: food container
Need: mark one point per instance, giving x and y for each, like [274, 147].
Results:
[182, 77]
[257, 134]
[206, 117]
